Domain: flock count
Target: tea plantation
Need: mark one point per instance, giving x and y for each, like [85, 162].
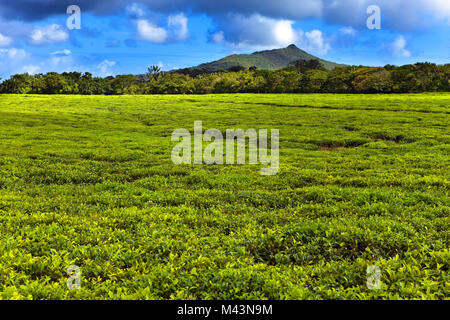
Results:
[88, 181]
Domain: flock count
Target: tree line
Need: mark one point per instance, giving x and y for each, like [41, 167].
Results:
[299, 77]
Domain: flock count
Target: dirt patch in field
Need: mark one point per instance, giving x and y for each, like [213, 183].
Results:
[395, 138]
[336, 145]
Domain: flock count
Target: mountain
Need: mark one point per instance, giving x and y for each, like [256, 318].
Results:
[269, 59]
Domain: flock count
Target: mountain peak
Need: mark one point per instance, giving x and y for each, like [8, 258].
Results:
[269, 60]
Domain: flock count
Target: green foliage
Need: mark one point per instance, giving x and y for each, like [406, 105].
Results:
[125, 84]
[18, 83]
[303, 76]
[372, 80]
[88, 181]
[304, 65]
[154, 73]
[170, 84]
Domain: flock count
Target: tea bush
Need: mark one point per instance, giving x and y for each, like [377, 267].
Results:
[88, 181]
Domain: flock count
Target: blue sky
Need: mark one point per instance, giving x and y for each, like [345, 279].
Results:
[121, 37]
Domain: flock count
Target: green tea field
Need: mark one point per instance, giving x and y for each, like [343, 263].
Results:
[363, 181]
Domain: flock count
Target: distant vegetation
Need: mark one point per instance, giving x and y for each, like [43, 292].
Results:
[300, 76]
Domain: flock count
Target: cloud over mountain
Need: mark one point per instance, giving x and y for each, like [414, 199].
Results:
[257, 32]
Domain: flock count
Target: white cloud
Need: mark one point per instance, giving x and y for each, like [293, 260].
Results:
[48, 35]
[398, 48]
[439, 8]
[31, 69]
[60, 63]
[284, 33]
[105, 67]
[12, 61]
[177, 29]
[258, 33]
[348, 31]
[65, 52]
[179, 26]
[149, 32]
[4, 40]
[314, 42]
[218, 37]
[13, 54]
[254, 32]
[136, 10]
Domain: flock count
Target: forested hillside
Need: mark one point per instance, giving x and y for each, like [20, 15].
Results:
[268, 59]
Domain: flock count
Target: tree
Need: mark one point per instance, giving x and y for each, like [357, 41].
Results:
[314, 80]
[73, 79]
[303, 65]
[124, 84]
[339, 80]
[18, 83]
[154, 73]
[372, 80]
[205, 83]
[235, 69]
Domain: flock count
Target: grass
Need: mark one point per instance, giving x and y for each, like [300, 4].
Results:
[88, 181]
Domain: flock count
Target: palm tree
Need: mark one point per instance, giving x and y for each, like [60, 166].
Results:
[154, 72]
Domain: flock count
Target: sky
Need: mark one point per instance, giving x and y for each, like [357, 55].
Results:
[124, 37]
